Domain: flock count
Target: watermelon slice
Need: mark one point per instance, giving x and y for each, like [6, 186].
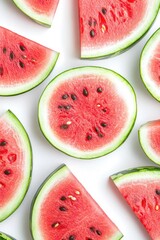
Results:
[140, 187]
[150, 65]
[149, 137]
[87, 112]
[23, 64]
[111, 26]
[15, 164]
[63, 209]
[39, 10]
[4, 236]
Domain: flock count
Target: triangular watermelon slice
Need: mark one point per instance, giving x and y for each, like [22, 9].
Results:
[140, 187]
[111, 26]
[23, 63]
[39, 10]
[15, 164]
[63, 209]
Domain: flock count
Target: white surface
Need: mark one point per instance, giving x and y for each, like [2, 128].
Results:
[63, 36]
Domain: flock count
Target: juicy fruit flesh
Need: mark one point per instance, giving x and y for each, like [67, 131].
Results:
[43, 6]
[21, 58]
[109, 20]
[153, 135]
[154, 66]
[76, 215]
[84, 116]
[144, 198]
[10, 163]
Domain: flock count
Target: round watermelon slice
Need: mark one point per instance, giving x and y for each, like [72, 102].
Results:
[140, 187]
[39, 10]
[150, 65]
[23, 63]
[87, 112]
[4, 236]
[149, 137]
[63, 209]
[110, 26]
[15, 164]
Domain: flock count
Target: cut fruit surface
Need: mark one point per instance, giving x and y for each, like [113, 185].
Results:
[4, 236]
[110, 26]
[39, 10]
[150, 65]
[149, 137]
[87, 112]
[15, 164]
[140, 187]
[63, 209]
[23, 63]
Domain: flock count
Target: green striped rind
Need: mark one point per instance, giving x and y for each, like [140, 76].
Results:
[19, 195]
[145, 144]
[4, 236]
[146, 54]
[136, 175]
[43, 19]
[136, 35]
[52, 180]
[122, 85]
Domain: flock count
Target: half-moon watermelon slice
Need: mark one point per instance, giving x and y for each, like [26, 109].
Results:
[63, 209]
[140, 187]
[4, 236]
[39, 10]
[150, 65]
[87, 112]
[15, 164]
[149, 138]
[23, 63]
[110, 26]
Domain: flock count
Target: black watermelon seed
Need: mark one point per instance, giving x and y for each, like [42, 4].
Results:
[92, 229]
[72, 237]
[63, 198]
[158, 191]
[7, 172]
[64, 126]
[60, 106]
[104, 11]
[21, 64]
[67, 107]
[95, 22]
[11, 55]
[103, 124]
[65, 96]
[85, 92]
[90, 22]
[99, 89]
[1, 71]
[89, 239]
[4, 50]
[92, 33]
[89, 137]
[22, 47]
[74, 97]
[99, 232]
[3, 143]
[62, 208]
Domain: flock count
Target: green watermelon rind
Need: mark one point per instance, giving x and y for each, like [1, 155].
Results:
[145, 145]
[54, 178]
[144, 59]
[124, 46]
[22, 88]
[4, 236]
[66, 148]
[18, 198]
[37, 17]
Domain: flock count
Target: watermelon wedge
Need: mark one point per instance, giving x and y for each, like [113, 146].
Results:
[150, 65]
[140, 187]
[149, 138]
[39, 10]
[111, 26]
[23, 63]
[4, 236]
[15, 164]
[63, 209]
[87, 112]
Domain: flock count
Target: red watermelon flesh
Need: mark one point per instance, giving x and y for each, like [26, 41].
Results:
[63, 209]
[154, 65]
[92, 116]
[23, 63]
[15, 164]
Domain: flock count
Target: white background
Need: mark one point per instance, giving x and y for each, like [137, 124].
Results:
[63, 36]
